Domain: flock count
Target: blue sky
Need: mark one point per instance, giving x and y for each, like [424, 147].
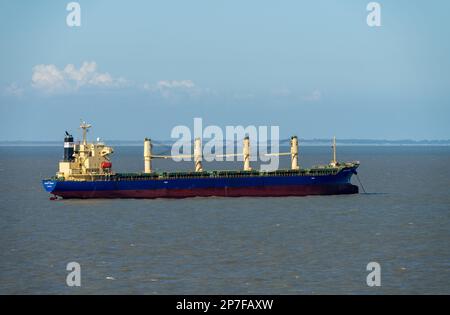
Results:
[138, 68]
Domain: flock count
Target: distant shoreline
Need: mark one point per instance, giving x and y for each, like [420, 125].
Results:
[283, 142]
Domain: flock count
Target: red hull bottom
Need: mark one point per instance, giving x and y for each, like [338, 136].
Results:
[272, 191]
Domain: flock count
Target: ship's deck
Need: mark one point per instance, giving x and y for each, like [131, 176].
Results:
[322, 170]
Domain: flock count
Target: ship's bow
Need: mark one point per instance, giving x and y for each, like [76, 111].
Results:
[49, 185]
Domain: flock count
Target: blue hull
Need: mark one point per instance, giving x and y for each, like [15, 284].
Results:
[293, 185]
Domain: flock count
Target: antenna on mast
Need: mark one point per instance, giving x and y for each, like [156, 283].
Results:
[85, 126]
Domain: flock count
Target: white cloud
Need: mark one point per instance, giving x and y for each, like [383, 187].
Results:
[174, 88]
[174, 84]
[14, 89]
[315, 96]
[47, 77]
[281, 92]
[243, 96]
[50, 78]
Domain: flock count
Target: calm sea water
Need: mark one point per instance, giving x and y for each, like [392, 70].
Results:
[295, 245]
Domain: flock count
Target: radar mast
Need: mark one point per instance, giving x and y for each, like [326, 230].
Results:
[85, 126]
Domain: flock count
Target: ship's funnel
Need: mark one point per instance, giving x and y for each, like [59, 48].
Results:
[68, 148]
[246, 154]
[147, 156]
[294, 153]
[198, 155]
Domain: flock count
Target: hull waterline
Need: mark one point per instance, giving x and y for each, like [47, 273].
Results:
[278, 191]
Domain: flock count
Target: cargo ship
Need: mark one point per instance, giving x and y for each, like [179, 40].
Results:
[86, 172]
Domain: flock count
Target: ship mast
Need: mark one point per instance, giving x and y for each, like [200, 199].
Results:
[198, 155]
[147, 156]
[85, 126]
[334, 161]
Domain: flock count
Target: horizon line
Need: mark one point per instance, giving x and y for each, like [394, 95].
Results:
[324, 141]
